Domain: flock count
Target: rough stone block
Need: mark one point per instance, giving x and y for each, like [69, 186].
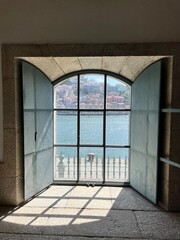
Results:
[45, 52]
[163, 171]
[166, 97]
[175, 50]
[175, 121]
[165, 121]
[9, 153]
[47, 65]
[165, 143]
[174, 189]
[12, 103]
[8, 191]
[18, 105]
[174, 147]
[135, 65]
[9, 103]
[19, 189]
[174, 175]
[163, 193]
[176, 67]
[13, 154]
[90, 62]
[68, 64]
[166, 83]
[63, 50]
[1, 169]
[90, 50]
[21, 50]
[175, 103]
[174, 197]
[19, 154]
[121, 50]
[11, 190]
[10, 52]
[115, 65]
[8, 66]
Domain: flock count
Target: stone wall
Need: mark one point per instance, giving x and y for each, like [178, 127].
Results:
[11, 169]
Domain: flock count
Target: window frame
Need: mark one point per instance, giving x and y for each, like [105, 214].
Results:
[103, 110]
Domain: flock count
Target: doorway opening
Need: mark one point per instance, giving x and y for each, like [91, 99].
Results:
[79, 133]
[91, 128]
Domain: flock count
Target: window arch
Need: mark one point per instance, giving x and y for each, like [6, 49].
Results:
[91, 127]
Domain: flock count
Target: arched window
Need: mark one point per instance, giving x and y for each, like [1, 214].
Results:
[91, 128]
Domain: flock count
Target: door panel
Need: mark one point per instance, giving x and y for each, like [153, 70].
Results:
[44, 126]
[29, 130]
[30, 181]
[38, 130]
[44, 166]
[144, 131]
[44, 91]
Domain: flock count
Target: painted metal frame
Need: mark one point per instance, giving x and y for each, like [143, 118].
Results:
[104, 110]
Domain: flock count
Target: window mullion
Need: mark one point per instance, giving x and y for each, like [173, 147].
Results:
[78, 127]
[104, 129]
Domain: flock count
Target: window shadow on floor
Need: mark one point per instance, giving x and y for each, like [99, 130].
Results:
[90, 211]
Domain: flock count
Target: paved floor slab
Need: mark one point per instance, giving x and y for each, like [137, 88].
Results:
[130, 199]
[84, 191]
[114, 224]
[79, 212]
[161, 225]
[57, 191]
[42, 237]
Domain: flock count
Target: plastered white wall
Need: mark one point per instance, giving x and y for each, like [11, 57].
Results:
[87, 21]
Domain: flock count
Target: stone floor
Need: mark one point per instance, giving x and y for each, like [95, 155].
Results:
[82, 213]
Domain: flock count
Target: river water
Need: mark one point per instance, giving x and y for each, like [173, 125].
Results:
[91, 132]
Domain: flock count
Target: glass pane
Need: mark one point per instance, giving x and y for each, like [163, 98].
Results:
[92, 91]
[118, 94]
[65, 163]
[65, 127]
[91, 164]
[117, 128]
[65, 94]
[117, 164]
[91, 128]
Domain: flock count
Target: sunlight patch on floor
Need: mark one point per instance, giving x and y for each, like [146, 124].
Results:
[65, 205]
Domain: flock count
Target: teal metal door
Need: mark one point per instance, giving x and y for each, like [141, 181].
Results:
[38, 130]
[145, 131]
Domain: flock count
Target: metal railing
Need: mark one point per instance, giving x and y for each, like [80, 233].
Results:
[92, 169]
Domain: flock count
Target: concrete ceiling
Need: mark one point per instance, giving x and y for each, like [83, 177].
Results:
[129, 67]
[89, 21]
